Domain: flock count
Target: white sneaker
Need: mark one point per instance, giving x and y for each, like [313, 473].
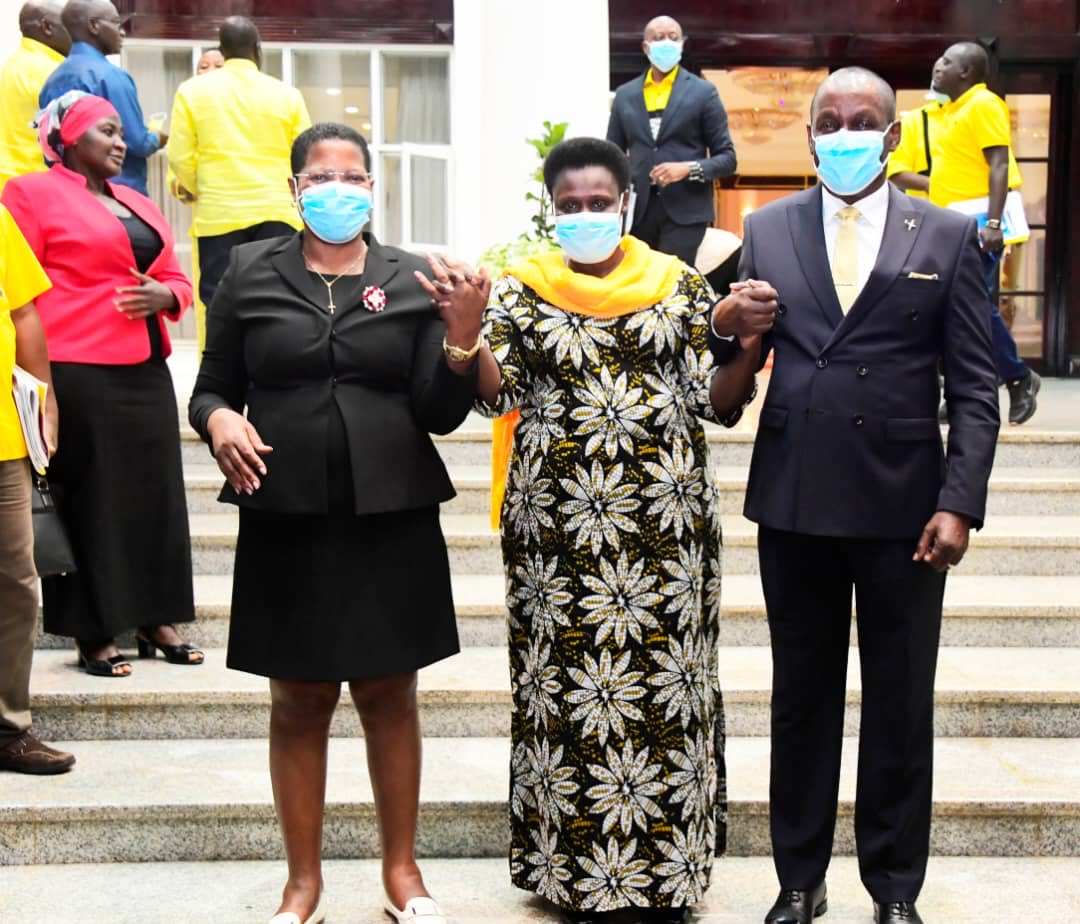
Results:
[421, 909]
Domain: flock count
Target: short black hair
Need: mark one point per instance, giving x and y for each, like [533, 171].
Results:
[326, 131]
[575, 153]
[848, 77]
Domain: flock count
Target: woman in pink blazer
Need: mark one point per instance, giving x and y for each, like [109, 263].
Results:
[117, 475]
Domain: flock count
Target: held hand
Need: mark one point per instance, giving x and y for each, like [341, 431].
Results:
[163, 139]
[748, 312]
[52, 423]
[145, 299]
[667, 173]
[459, 293]
[185, 195]
[238, 449]
[944, 540]
[991, 239]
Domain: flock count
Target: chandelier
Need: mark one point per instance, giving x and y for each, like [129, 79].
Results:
[786, 90]
[756, 125]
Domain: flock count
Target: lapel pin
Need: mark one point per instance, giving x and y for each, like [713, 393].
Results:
[910, 224]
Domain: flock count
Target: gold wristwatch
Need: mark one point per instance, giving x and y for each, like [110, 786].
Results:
[457, 354]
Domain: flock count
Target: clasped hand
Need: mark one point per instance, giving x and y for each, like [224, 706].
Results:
[747, 313]
[145, 299]
[459, 293]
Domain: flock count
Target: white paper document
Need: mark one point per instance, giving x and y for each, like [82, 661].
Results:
[29, 393]
[1014, 226]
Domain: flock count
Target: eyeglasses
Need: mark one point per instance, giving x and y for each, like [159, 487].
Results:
[326, 176]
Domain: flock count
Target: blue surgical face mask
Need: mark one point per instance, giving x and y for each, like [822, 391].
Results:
[664, 54]
[589, 237]
[335, 212]
[937, 96]
[850, 161]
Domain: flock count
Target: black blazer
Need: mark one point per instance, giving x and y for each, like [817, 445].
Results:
[849, 443]
[272, 346]
[694, 127]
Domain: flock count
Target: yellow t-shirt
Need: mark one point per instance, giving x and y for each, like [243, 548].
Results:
[657, 93]
[232, 132]
[910, 153]
[21, 281]
[21, 79]
[977, 120]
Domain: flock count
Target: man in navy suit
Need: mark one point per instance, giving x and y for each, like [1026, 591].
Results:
[867, 289]
[674, 128]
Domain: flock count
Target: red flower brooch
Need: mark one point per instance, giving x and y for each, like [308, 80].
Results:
[374, 298]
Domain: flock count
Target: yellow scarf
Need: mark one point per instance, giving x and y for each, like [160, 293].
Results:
[643, 278]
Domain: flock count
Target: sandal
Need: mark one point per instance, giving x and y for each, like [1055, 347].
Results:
[102, 667]
[291, 917]
[174, 654]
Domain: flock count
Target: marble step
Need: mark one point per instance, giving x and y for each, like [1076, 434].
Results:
[471, 445]
[981, 692]
[186, 800]
[980, 610]
[1013, 492]
[478, 891]
[1007, 545]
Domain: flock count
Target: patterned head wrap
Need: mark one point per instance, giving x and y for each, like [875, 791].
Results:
[66, 119]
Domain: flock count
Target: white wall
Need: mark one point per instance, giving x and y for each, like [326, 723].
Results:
[9, 26]
[516, 65]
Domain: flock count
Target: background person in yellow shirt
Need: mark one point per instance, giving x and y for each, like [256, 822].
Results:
[209, 60]
[909, 165]
[232, 131]
[22, 341]
[974, 159]
[45, 43]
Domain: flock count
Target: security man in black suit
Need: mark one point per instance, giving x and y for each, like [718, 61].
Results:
[674, 128]
[867, 289]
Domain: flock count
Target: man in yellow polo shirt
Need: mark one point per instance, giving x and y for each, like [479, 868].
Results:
[22, 341]
[674, 128]
[910, 162]
[232, 131]
[45, 43]
[974, 159]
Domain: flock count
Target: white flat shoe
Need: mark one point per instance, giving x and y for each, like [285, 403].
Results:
[421, 909]
[291, 917]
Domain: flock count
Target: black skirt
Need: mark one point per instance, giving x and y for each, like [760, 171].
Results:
[335, 597]
[119, 486]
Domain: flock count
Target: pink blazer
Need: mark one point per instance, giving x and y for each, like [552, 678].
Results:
[87, 255]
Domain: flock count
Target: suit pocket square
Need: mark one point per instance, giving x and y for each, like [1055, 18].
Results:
[931, 277]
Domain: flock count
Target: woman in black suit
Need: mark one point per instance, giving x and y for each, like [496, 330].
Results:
[336, 352]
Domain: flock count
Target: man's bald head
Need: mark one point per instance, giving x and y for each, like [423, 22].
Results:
[973, 58]
[662, 27]
[40, 20]
[95, 22]
[238, 37]
[856, 80]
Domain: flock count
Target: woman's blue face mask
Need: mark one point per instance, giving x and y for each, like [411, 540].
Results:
[589, 237]
[335, 212]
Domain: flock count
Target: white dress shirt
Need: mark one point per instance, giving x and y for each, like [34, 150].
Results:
[869, 226]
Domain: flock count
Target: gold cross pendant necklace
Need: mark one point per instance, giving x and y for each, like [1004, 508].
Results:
[329, 283]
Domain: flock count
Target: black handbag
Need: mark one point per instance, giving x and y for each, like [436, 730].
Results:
[52, 549]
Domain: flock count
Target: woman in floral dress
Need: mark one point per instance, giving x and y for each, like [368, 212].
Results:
[611, 543]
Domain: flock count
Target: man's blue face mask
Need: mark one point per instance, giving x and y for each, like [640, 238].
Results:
[664, 54]
[850, 161]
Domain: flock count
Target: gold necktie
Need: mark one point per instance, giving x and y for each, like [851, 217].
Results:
[845, 264]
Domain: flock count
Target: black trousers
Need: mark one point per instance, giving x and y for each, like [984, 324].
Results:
[808, 583]
[657, 230]
[214, 252]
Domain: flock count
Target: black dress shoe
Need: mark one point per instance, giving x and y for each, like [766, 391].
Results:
[1022, 394]
[896, 913]
[794, 906]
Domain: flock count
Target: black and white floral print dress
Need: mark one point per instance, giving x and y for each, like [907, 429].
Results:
[611, 544]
